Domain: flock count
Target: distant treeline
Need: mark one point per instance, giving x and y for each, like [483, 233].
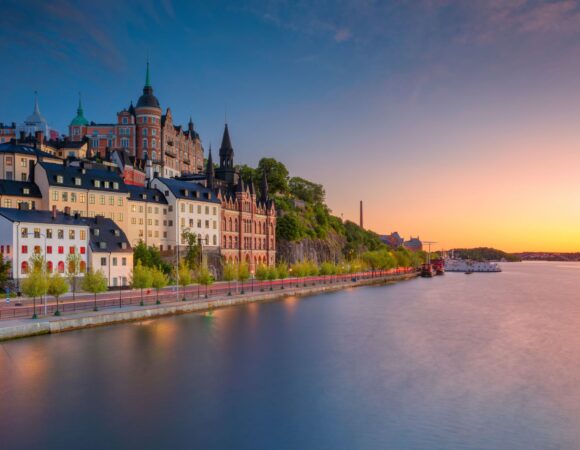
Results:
[484, 254]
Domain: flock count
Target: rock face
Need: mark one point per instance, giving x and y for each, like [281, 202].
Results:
[316, 250]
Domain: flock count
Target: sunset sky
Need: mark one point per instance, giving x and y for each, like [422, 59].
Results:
[457, 121]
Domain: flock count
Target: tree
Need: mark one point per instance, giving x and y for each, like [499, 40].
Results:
[261, 274]
[95, 283]
[289, 228]
[5, 266]
[272, 275]
[243, 273]
[35, 285]
[282, 272]
[73, 269]
[141, 278]
[150, 257]
[204, 277]
[184, 276]
[229, 275]
[158, 281]
[306, 190]
[276, 174]
[193, 252]
[57, 286]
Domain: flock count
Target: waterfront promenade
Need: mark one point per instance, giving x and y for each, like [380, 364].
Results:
[115, 307]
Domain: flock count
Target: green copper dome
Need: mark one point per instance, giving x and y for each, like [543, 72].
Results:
[80, 117]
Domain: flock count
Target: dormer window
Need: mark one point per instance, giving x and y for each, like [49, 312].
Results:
[96, 231]
[116, 232]
[77, 181]
[107, 184]
[102, 244]
[25, 191]
[59, 179]
[115, 185]
[144, 196]
[97, 183]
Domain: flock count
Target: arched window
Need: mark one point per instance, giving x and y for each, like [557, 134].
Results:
[230, 224]
[24, 267]
[83, 267]
[236, 224]
[49, 266]
[61, 267]
[154, 154]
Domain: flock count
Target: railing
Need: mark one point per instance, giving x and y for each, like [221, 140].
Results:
[223, 289]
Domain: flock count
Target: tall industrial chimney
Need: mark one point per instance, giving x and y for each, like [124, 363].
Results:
[361, 214]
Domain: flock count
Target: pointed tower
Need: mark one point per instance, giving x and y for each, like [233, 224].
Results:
[80, 119]
[226, 171]
[264, 193]
[209, 171]
[148, 120]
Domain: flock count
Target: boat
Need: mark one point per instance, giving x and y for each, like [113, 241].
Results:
[438, 266]
[468, 272]
[427, 270]
[469, 266]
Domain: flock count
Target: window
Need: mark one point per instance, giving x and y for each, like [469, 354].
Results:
[55, 196]
[83, 267]
[102, 199]
[103, 261]
[116, 187]
[124, 142]
[207, 223]
[82, 235]
[73, 197]
[77, 181]
[7, 203]
[191, 209]
[23, 177]
[24, 267]
[95, 143]
[37, 233]
[65, 196]
[49, 249]
[207, 209]
[81, 198]
[106, 184]
[71, 234]
[153, 145]
[120, 217]
[60, 249]
[49, 266]
[92, 199]
[182, 207]
[111, 200]
[24, 249]
[9, 160]
[144, 131]
[22, 162]
[133, 221]
[114, 261]
[24, 232]
[120, 201]
[49, 233]
[61, 233]
[97, 183]
[59, 179]
[124, 121]
[61, 267]
[123, 261]
[82, 250]
[144, 143]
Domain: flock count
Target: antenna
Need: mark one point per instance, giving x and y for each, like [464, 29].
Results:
[429, 251]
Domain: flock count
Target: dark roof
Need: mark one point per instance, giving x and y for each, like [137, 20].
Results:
[226, 149]
[143, 194]
[61, 143]
[10, 147]
[87, 177]
[38, 216]
[106, 236]
[148, 100]
[16, 188]
[189, 190]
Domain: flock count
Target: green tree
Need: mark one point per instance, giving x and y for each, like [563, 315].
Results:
[5, 266]
[73, 270]
[282, 272]
[276, 174]
[141, 278]
[306, 190]
[229, 275]
[158, 281]
[243, 273]
[150, 257]
[272, 275]
[204, 277]
[184, 278]
[289, 228]
[193, 252]
[261, 274]
[35, 285]
[95, 283]
[57, 286]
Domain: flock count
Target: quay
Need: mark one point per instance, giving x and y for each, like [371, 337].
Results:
[19, 328]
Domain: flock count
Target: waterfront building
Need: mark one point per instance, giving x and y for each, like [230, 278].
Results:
[146, 134]
[191, 207]
[14, 193]
[17, 160]
[109, 251]
[83, 189]
[248, 220]
[393, 240]
[25, 233]
[148, 218]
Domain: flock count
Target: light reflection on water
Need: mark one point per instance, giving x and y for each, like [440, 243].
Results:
[488, 361]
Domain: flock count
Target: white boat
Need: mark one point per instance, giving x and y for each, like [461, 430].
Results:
[467, 265]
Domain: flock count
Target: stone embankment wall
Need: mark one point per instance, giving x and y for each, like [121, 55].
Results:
[317, 250]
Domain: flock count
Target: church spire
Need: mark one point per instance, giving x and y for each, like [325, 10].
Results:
[209, 170]
[226, 150]
[80, 111]
[147, 77]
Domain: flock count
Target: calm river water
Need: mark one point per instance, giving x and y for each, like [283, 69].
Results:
[486, 361]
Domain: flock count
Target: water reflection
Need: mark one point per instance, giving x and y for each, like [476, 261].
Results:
[486, 361]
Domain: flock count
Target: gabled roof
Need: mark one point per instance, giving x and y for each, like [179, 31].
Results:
[38, 216]
[87, 177]
[106, 236]
[189, 190]
[143, 194]
[19, 188]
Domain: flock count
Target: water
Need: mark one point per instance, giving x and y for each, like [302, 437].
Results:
[485, 361]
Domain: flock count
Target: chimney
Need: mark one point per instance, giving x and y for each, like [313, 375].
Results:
[77, 216]
[39, 137]
[53, 212]
[361, 214]
[22, 135]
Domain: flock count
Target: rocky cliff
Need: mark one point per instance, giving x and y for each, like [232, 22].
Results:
[317, 250]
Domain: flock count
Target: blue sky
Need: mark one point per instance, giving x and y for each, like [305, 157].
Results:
[376, 100]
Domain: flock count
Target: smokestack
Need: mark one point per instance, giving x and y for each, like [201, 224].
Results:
[361, 214]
